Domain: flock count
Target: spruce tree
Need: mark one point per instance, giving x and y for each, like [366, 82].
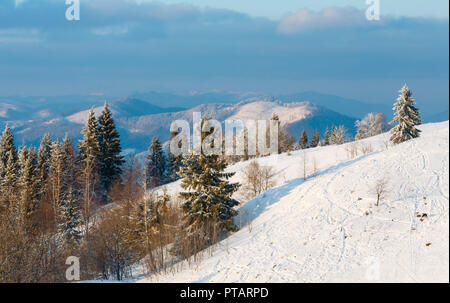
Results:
[28, 182]
[8, 184]
[208, 196]
[406, 117]
[69, 159]
[173, 162]
[173, 167]
[87, 168]
[10, 177]
[6, 146]
[43, 164]
[156, 165]
[110, 160]
[315, 140]
[333, 135]
[70, 219]
[89, 146]
[326, 139]
[304, 140]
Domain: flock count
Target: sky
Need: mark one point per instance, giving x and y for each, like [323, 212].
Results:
[277, 9]
[123, 46]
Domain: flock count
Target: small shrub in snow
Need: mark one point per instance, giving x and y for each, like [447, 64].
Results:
[380, 190]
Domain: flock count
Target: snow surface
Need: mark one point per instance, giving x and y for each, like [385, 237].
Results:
[263, 110]
[328, 229]
[82, 116]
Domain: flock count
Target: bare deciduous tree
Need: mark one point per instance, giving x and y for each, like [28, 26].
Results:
[380, 190]
[257, 179]
[366, 148]
[352, 150]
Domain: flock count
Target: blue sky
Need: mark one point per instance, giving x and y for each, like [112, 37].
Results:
[119, 47]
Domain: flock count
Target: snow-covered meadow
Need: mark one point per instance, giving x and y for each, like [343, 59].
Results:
[327, 228]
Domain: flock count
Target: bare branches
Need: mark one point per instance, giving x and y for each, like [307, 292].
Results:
[380, 190]
[257, 179]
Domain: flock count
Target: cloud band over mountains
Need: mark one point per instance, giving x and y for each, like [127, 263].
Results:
[142, 43]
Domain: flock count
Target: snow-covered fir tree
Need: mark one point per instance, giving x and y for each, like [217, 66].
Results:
[406, 117]
[43, 164]
[173, 166]
[89, 146]
[326, 137]
[156, 165]
[87, 169]
[70, 219]
[28, 182]
[208, 193]
[174, 162]
[333, 135]
[6, 146]
[110, 159]
[69, 159]
[8, 183]
[303, 140]
[315, 139]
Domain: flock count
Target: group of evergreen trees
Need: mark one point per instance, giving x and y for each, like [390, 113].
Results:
[161, 169]
[57, 186]
[406, 117]
[207, 203]
[338, 135]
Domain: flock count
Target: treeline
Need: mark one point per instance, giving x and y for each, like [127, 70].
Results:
[48, 197]
[86, 201]
[373, 124]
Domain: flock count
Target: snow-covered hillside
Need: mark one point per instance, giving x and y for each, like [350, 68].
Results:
[139, 121]
[328, 229]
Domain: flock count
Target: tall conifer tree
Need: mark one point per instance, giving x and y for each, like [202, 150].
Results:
[110, 160]
[326, 137]
[89, 146]
[406, 117]
[28, 182]
[315, 139]
[208, 196]
[304, 140]
[70, 219]
[156, 165]
[43, 165]
[6, 146]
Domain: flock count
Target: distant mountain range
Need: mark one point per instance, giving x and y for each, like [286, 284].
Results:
[142, 116]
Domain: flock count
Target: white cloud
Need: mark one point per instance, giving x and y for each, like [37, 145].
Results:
[18, 3]
[331, 17]
[18, 35]
[111, 30]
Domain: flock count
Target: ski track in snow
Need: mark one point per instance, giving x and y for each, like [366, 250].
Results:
[317, 230]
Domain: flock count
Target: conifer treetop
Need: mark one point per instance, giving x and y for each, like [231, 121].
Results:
[406, 117]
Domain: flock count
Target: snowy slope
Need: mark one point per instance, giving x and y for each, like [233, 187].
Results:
[139, 121]
[263, 110]
[328, 229]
